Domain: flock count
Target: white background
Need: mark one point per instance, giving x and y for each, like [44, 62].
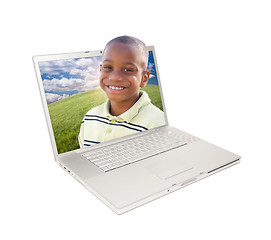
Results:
[214, 59]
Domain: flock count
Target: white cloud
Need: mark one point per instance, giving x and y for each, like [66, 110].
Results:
[56, 67]
[84, 62]
[52, 97]
[151, 67]
[65, 85]
[86, 71]
[72, 66]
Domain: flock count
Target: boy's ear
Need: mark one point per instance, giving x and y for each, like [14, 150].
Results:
[145, 78]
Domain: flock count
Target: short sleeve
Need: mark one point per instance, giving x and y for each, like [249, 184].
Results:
[81, 135]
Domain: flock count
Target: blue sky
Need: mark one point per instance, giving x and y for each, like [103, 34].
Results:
[63, 78]
[151, 68]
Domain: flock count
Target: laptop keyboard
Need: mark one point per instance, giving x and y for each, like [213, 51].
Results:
[133, 150]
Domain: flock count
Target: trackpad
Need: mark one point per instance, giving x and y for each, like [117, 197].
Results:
[170, 167]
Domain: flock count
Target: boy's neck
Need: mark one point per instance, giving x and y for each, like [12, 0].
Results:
[118, 108]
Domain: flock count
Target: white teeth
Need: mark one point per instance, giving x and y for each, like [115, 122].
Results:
[115, 88]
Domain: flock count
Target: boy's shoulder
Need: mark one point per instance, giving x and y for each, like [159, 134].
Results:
[151, 110]
[151, 115]
[98, 110]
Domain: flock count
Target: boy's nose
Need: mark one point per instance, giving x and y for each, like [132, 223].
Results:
[115, 76]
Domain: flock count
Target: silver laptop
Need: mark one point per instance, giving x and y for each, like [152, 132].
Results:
[140, 163]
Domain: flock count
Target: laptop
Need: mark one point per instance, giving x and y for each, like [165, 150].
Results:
[141, 163]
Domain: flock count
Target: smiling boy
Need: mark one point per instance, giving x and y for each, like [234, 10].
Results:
[128, 110]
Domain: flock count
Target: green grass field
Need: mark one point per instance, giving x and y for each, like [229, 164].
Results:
[68, 113]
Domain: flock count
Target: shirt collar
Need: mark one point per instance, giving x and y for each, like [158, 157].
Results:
[130, 113]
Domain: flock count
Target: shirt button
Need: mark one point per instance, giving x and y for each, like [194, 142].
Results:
[113, 120]
[109, 130]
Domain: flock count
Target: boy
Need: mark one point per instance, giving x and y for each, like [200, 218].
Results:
[128, 110]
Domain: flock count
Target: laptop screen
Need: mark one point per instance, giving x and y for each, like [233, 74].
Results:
[80, 109]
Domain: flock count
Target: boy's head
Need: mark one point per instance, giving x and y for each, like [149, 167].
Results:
[124, 69]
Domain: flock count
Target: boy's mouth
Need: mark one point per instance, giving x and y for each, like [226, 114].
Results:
[116, 88]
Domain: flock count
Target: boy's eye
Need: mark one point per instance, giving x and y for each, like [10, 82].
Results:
[106, 67]
[130, 70]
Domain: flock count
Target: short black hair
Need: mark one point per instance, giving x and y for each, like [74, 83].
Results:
[134, 41]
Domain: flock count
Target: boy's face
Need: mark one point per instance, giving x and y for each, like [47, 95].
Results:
[123, 72]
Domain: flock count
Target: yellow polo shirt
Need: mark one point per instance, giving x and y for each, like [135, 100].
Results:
[99, 125]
